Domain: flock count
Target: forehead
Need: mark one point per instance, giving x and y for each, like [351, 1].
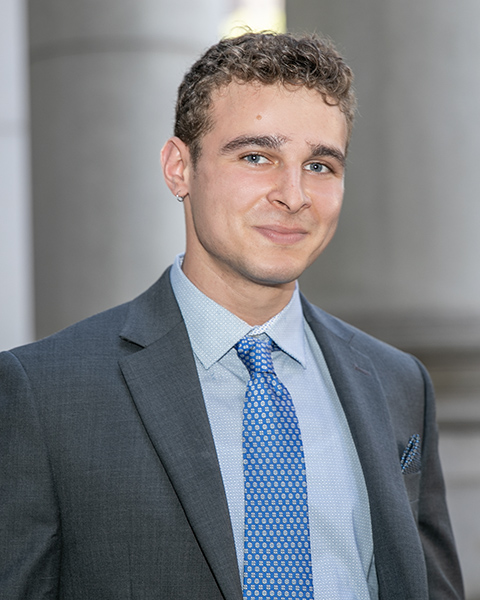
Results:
[293, 112]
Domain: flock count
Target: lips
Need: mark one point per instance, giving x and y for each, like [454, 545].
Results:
[282, 235]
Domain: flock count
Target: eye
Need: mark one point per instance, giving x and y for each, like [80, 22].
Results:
[316, 167]
[255, 159]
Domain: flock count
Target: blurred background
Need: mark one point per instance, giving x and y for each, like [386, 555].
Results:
[87, 94]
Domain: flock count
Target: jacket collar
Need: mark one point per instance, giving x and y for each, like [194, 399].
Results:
[164, 385]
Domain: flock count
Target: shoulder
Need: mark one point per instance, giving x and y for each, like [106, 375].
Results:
[355, 359]
[85, 338]
[104, 337]
[390, 362]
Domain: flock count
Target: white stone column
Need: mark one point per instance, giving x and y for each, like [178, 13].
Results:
[16, 302]
[405, 261]
[103, 85]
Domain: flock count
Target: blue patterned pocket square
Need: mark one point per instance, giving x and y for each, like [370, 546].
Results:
[411, 460]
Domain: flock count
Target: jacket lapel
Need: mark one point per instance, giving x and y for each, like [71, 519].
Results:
[396, 542]
[163, 381]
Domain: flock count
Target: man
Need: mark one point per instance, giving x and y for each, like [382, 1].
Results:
[123, 469]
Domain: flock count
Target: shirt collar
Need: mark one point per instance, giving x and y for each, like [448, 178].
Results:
[213, 330]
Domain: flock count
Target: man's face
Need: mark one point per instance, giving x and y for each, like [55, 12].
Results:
[265, 195]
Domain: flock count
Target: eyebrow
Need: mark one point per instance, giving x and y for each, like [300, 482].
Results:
[322, 150]
[262, 141]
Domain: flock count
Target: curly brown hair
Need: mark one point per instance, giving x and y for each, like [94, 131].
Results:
[267, 58]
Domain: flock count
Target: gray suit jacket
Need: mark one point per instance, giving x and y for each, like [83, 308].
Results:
[110, 487]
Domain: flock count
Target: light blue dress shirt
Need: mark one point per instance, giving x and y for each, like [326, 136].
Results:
[340, 526]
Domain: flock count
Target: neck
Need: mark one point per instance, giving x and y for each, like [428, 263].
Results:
[255, 303]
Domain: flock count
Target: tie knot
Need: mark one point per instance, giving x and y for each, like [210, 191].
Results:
[256, 354]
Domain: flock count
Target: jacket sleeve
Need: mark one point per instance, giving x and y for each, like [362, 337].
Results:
[443, 570]
[29, 515]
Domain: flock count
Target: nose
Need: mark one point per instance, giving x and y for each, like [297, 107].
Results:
[288, 190]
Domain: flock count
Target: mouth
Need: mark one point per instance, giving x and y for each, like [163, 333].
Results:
[285, 236]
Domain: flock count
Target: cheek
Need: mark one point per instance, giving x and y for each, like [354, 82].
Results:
[328, 207]
[213, 217]
[217, 192]
[336, 207]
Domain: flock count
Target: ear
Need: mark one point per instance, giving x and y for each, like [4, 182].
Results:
[175, 159]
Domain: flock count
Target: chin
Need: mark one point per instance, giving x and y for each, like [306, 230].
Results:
[275, 275]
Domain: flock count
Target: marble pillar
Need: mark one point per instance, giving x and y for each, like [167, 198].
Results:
[404, 263]
[103, 83]
[16, 300]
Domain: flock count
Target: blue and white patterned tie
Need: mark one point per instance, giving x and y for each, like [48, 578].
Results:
[277, 562]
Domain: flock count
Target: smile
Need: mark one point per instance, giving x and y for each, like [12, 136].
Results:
[286, 236]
